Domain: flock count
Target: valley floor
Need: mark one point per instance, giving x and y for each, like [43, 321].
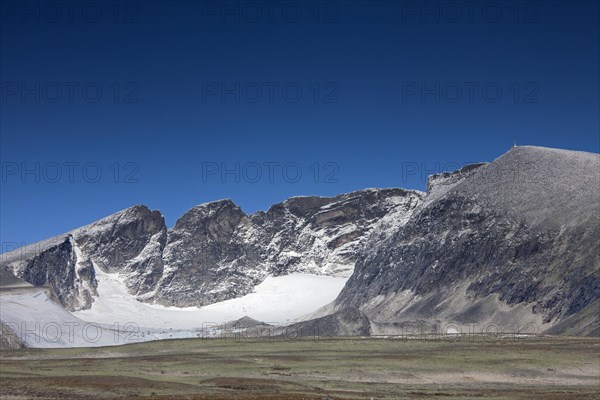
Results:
[331, 368]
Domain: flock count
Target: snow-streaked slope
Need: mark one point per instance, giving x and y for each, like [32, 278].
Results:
[276, 300]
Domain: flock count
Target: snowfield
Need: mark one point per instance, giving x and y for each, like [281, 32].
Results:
[116, 317]
[277, 300]
[40, 322]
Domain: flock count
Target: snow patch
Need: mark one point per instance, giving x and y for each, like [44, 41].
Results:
[276, 300]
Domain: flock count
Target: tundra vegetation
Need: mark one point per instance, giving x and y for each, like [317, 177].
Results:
[473, 367]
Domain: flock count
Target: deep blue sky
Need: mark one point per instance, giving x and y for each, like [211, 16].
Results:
[367, 124]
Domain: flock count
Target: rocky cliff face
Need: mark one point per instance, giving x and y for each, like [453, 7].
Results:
[207, 258]
[55, 264]
[128, 242]
[8, 339]
[214, 252]
[512, 242]
[217, 252]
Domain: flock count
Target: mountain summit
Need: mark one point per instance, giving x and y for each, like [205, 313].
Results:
[514, 242]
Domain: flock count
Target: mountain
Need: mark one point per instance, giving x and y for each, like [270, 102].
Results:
[513, 243]
[128, 242]
[215, 251]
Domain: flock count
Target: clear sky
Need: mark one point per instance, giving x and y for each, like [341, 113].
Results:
[172, 104]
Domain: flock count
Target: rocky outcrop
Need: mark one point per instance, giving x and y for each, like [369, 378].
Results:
[438, 184]
[216, 252]
[129, 242]
[71, 280]
[8, 339]
[207, 260]
[345, 322]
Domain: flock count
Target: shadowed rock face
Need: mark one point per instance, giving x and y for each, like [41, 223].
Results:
[129, 242]
[522, 236]
[207, 260]
[71, 281]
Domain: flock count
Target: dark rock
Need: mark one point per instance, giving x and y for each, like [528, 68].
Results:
[345, 322]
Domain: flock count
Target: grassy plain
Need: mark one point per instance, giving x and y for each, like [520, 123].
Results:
[332, 368]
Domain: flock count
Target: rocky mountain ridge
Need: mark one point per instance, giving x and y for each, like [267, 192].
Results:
[213, 253]
[513, 244]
